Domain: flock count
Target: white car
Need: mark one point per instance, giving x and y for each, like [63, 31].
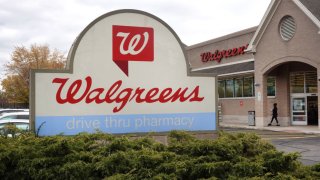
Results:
[2, 111]
[21, 124]
[15, 115]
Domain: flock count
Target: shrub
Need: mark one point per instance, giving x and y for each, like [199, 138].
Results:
[103, 156]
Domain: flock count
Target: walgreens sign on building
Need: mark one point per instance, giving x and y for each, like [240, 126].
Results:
[127, 73]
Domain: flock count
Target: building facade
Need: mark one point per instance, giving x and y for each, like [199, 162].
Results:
[276, 62]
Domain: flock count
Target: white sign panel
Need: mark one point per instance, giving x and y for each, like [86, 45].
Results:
[127, 73]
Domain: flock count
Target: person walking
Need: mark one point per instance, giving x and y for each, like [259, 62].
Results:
[274, 115]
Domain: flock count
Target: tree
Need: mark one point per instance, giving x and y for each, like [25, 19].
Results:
[16, 84]
[15, 89]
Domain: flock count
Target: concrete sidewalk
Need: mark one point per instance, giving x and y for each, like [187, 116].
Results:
[289, 129]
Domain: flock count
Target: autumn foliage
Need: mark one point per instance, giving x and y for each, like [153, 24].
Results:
[16, 83]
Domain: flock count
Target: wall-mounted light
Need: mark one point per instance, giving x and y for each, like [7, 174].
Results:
[256, 84]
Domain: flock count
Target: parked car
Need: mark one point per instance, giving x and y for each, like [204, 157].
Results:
[2, 111]
[15, 115]
[20, 125]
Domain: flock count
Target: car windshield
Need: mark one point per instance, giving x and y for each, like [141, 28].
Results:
[8, 117]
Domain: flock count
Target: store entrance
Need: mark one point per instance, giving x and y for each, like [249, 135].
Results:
[298, 109]
[304, 98]
[312, 110]
[304, 109]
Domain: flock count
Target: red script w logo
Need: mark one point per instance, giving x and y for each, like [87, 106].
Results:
[132, 44]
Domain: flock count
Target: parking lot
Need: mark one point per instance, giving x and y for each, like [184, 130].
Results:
[308, 145]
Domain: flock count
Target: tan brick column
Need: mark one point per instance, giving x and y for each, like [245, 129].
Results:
[282, 97]
[261, 99]
[318, 78]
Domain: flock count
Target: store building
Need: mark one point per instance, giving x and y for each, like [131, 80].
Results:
[276, 62]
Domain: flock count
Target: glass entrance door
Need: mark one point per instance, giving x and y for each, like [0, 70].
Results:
[312, 110]
[299, 112]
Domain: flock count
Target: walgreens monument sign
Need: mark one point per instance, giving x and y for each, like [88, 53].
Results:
[100, 91]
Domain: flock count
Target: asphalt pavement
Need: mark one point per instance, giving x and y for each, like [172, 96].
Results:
[308, 145]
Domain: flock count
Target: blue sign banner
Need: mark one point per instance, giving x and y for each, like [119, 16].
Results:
[118, 124]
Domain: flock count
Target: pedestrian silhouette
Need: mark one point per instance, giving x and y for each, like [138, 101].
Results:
[274, 115]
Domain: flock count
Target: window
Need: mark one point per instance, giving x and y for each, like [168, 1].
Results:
[23, 117]
[271, 86]
[303, 82]
[311, 82]
[10, 117]
[22, 126]
[287, 28]
[248, 87]
[297, 82]
[238, 87]
[229, 88]
[221, 88]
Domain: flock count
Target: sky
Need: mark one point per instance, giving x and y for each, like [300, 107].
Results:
[58, 22]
